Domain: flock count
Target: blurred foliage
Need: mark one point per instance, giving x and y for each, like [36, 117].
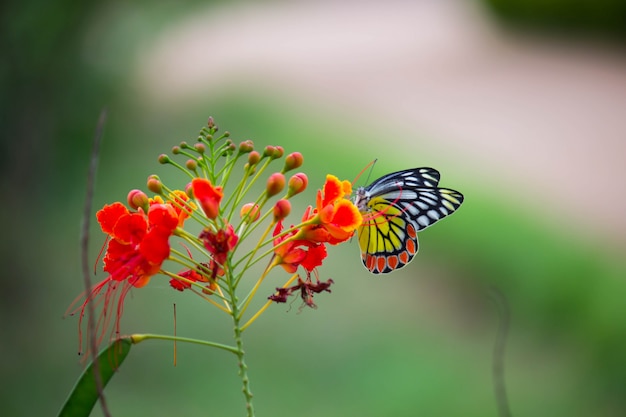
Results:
[604, 18]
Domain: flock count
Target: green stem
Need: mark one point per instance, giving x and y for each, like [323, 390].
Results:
[243, 368]
[136, 338]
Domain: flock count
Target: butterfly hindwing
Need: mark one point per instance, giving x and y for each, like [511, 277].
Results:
[395, 207]
[387, 241]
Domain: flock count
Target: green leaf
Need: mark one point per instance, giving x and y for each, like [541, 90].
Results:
[83, 397]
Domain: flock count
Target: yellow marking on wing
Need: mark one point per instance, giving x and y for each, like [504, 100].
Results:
[381, 220]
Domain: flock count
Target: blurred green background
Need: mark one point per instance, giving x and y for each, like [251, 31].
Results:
[528, 125]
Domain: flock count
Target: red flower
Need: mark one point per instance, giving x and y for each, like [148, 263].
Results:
[335, 218]
[220, 243]
[139, 243]
[198, 276]
[208, 196]
[294, 252]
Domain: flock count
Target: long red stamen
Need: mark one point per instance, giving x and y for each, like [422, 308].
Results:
[95, 265]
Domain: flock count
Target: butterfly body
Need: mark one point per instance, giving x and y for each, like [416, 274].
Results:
[395, 207]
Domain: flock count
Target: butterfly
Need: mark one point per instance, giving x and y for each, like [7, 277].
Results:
[395, 207]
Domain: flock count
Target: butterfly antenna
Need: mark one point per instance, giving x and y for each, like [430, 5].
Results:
[371, 166]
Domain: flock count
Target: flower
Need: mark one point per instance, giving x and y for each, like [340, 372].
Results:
[335, 218]
[139, 242]
[208, 196]
[290, 252]
[219, 244]
[139, 233]
[199, 275]
[138, 246]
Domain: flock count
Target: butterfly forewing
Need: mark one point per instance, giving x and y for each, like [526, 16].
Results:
[410, 178]
[395, 207]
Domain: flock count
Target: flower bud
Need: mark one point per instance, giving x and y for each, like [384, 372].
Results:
[297, 183]
[253, 158]
[246, 146]
[200, 148]
[250, 212]
[189, 190]
[175, 150]
[282, 208]
[164, 159]
[275, 184]
[278, 152]
[211, 124]
[191, 164]
[136, 199]
[269, 151]
[231, 147]
[155, 185]
[293, 161]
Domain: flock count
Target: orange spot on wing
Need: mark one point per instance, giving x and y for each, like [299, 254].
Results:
[404, 257]
[410, 246]
[392, 262]
[381, 263]
[410, 230]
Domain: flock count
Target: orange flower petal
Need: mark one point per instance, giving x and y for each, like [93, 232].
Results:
[347, 216]
[333, 190]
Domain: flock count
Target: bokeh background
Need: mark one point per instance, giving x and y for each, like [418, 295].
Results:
[520, 104]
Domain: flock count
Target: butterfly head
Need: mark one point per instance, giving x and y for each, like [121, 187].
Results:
[361, 198]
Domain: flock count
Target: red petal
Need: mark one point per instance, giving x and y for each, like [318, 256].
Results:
[315, 257]
[333, 189]
[155, 247]
[130, 228]
[109, 215]
[163, 215]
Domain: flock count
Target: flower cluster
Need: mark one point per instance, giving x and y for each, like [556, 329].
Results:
[213, 263]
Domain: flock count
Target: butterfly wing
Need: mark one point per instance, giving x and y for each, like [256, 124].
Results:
[395, 208]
